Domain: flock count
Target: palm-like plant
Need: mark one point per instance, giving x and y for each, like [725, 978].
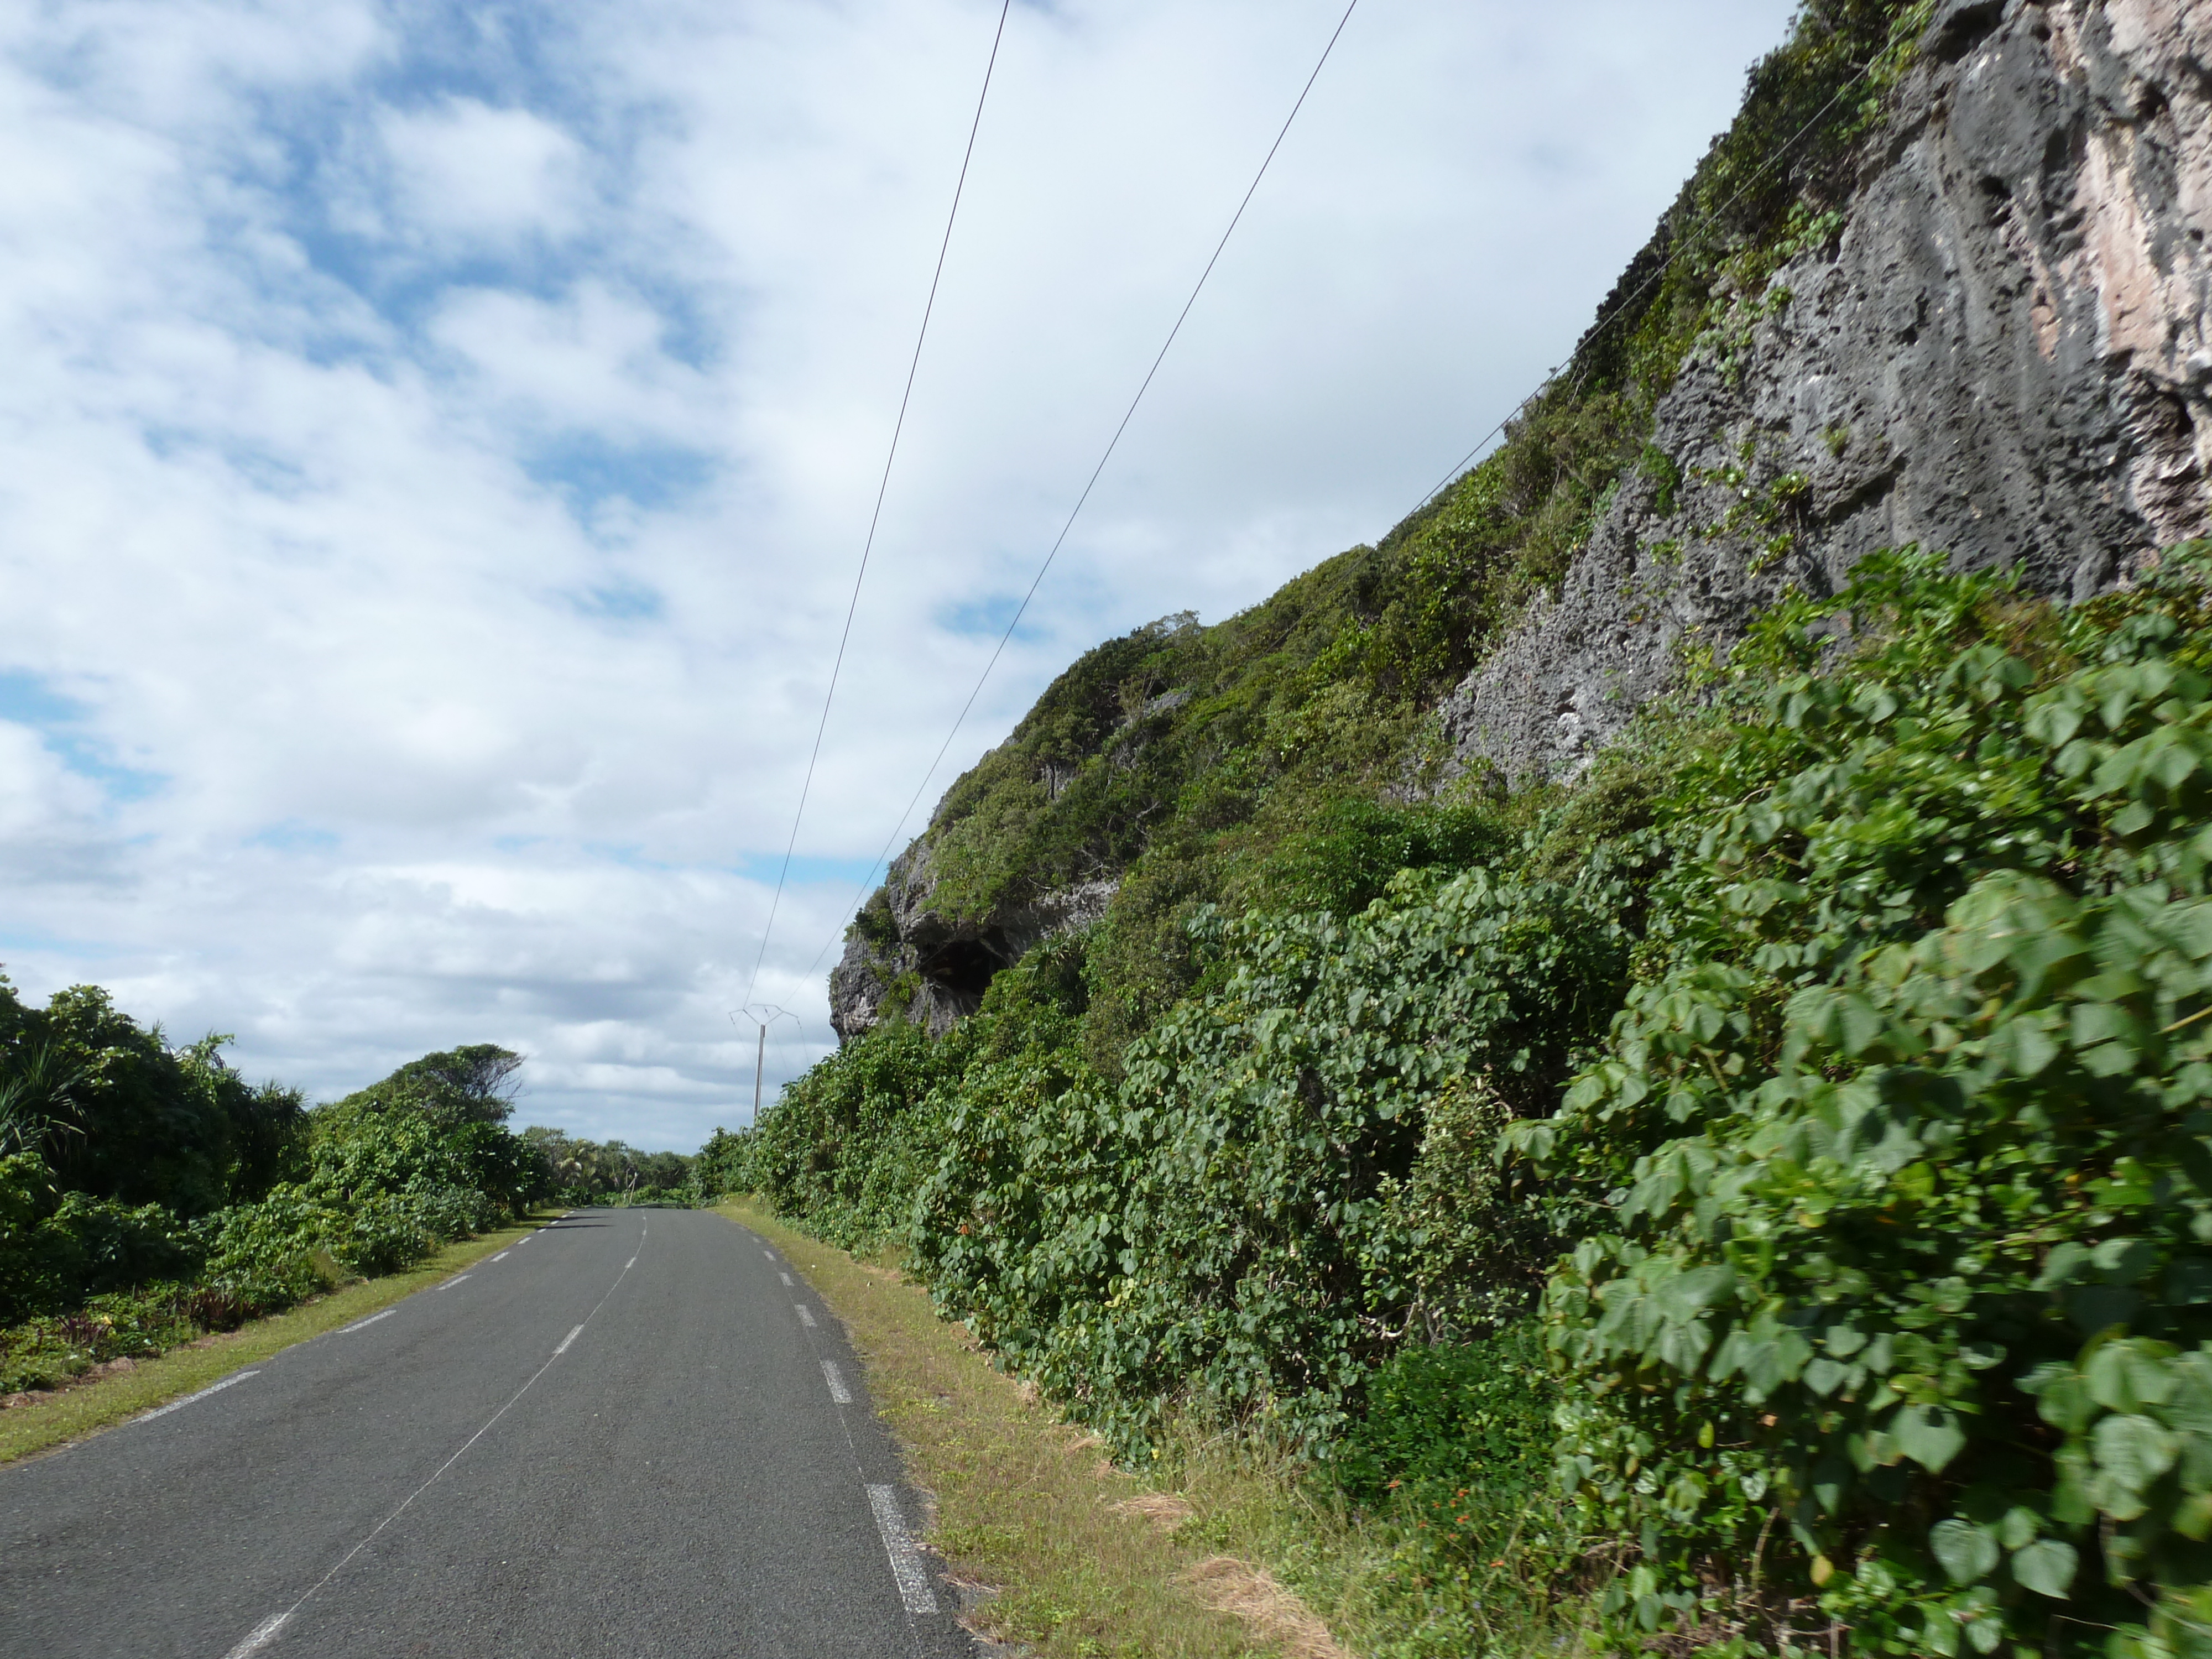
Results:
[38, 1102]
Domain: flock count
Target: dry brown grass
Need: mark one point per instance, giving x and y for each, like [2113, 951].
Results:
[1254, 1596]
[1165, 1510]
[1078, 1559]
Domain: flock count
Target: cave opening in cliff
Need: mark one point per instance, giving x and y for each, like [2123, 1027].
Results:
[965, 966]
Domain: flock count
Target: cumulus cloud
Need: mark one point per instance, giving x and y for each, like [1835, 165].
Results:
[442, 438]
[466, 171]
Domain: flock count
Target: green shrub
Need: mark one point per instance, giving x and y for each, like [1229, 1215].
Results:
[1901, 1157]
[265, 1256]
[57, 1248]
[1349, 858]
[1222, 1224]
[1456, 1419]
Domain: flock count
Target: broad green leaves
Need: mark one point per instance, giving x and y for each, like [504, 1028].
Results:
[1907, 1137]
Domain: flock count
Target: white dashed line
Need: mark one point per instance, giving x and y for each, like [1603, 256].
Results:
[628, 1265]
[835, 1379]
[566, 1341]
[501, 1256]
[264, 1634]
[348, 1330]
[805, 1317]
[786, 1278]
[454, 1280]
[212, 1388]
[906, 1560]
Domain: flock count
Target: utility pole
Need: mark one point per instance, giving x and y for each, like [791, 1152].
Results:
[767, 1015]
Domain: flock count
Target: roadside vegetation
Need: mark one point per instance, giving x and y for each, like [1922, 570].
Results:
[37, 1422]
[151, 1196]
[1754, 1199]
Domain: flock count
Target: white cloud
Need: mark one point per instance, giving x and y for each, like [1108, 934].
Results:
[465, 171]
[438, 452]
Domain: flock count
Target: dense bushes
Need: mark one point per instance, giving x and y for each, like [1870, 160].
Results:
[148, 1194]
[1904, 1253]
[1227, 1219]
[1878, 1221]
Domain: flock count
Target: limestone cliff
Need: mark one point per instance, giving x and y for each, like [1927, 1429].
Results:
[2005, 354]
[1945, 280]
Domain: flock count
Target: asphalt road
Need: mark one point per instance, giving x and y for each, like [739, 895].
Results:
[636, 1433]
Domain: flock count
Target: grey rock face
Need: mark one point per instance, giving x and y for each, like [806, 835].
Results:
[2008, 355]
[932, 969]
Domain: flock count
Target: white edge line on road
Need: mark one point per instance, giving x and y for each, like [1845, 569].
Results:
[212, 1387]
[348, 1330]
[501, 1256]
[454, 1280]
[805, 1317]
[264, 1634]
[835, 1379]
[786, 1278]
[906, 1560]
[628, 1265]
[566, 1341]
[770, 1255]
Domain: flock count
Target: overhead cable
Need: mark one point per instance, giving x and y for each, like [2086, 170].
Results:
[1111, 443]
[1604, 323]
[882, 486]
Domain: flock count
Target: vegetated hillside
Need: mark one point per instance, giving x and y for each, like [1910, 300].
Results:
[1744, 1185]
[1943, 281]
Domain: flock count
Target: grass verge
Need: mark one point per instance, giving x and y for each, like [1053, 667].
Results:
[71, 1413]
[1086, 1561]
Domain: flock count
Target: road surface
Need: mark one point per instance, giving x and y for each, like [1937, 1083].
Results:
[635, 1434]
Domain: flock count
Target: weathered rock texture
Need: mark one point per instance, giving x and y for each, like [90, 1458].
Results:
[2006, 355]
[905, 955]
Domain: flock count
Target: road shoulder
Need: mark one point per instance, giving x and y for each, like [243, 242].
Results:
[1058, 1550]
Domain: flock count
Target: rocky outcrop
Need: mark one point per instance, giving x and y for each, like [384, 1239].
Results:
[2008, 354]
[903, 954]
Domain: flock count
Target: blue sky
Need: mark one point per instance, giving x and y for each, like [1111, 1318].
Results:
[440, 438]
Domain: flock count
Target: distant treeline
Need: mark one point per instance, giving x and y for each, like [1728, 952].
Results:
[149, 1193]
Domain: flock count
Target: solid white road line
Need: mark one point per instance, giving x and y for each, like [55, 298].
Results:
[348, 1330]
[786, 1278]
[566, 1341]
[906, 1560]
[212, 1387]
[264, 1634]
[835, 1379]
[805, 1317]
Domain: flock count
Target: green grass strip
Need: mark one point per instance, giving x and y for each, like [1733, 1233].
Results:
[71, 1413]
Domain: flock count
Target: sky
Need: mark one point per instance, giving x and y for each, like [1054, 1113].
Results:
[438, 441]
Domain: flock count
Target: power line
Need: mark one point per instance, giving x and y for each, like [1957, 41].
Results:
[1111, 443]
[1603, 324]
[882, 486]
